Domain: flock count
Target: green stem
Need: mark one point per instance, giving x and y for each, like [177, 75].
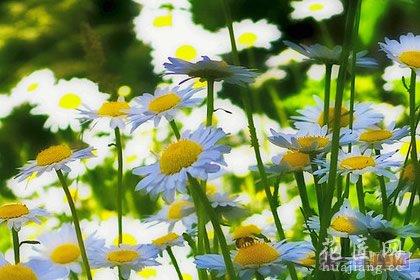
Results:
[16, 245]
[327, 93]
[120, 185]
[76, 223]
[360, 195]
[300, 181]
[258, 276]
[383, 191]
[73, 276]
[318, 187]
[196, 191]
[325, 218]
[174, 263]
[175, 129]
[210, 102]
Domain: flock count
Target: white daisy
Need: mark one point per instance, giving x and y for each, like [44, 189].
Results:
[406, 52]
[27, 271]
[284, 58]
[115, 111]
[311, 138]
[249, 34]
[195, 154]
[375, 138]
[126, 257]
[347, 222]
[357, 163]
[16, 215]
[61, 102]
[165, 102]
[364, 116]
[384, 230]
[159, 4]
[291, 161]
[268, 259]
[317, 9]
[208, 69]
[168, 240]
[59, 249]
[178, 211]
[320, 54]
[54, 157]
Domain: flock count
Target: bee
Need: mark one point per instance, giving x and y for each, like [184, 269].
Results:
[243, 242]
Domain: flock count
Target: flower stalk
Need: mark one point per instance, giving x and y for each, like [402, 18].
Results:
[119, 184]
[16, 245]
[174, 263]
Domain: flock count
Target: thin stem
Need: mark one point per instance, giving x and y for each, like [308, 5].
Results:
[76, 223]
[16, 245]
[174, 263]
[175, 129]
[201, 195]
[300, 181]
[210, 102]
[383, 191]
[318, 187]
[120, 185]
[325, 218]
[327, 92]
[258, 276]
[360, 195]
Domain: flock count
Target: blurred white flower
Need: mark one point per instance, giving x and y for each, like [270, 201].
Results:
[284, 58]
[317, 9]
[393, 74]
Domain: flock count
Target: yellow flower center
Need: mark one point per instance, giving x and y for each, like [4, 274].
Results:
[245, 231]
[53, 154]
[164, 103]
[69, 101]
[126, 239]
[343, 224]
[357, 162]
[296, 159]
[16, 272]
[186, 52]
[256, 254]
[147, 272]
[247, 38]
[163, 21]
[175, 211]
[165, 239]
[124, 91]
[375, 135]
[408, 173]
[307, 142]
[32, 87]
[11, 211]
[113, 109]
[344, 120]
[309, 260]
[122, 256]
[179, 155]
[65, 253]
[411, 58]
[316, 7]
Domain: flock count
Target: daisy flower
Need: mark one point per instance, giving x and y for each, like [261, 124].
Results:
[127, 257]
[169, 240]
[115, 111]
[375, 138]
[17, 214]
[406, 52]
[208, 69]
[59, 249]
[291, 161]
[165, 102]
[347, 222]
[178, 211]
[268, 259]
[357, 163]
[309, 139]
[53, 158]
[27, 271]
[364, 116]
[195, 154]
[317, 9]
[320, 54]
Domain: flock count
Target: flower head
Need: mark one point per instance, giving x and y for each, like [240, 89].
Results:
[195, 154]
[54, 157]
[127, 257]
[165, 102]
[208, 69]
[375, 138]
[406, 52]
[317, 9]
[16, 215]
[168, 240]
